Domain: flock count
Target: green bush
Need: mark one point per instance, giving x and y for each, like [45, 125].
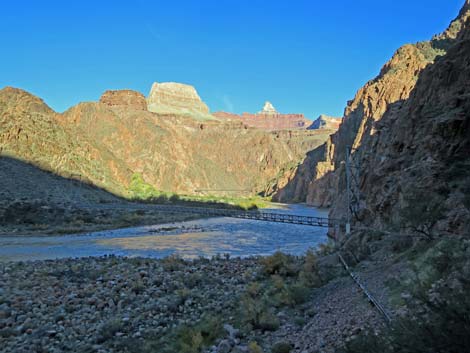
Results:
[142, 190]
[280, 264]
[109, 329]
[258, 314]
[309, 274]
[187, 339]
[253, 347]
[281, 347]
[298, 294]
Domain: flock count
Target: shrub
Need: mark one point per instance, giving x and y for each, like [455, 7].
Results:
[258, 314]
[172, 263]
[423, 212]
[254, 289]
[187, 339]
[253, 347]
[280, 264]
[309, 274]
[108, 330]
[140, 189]
[298, 294]
[400, 244]
[194, 339]
[138, 287]
[281, 347]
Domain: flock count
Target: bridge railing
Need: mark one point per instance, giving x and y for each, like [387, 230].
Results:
[255, 215]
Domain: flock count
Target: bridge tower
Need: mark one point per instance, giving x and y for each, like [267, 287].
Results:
[352, 187]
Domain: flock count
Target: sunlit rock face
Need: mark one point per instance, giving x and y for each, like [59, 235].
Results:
[129, 98]
[269, 119]
[176, 98]
[325, 122]
[268, 108]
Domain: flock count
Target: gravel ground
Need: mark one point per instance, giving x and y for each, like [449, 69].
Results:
[96, 304]
[102, 304]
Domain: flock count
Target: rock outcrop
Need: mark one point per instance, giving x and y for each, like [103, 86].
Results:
[407, 128]
[268, 109]
[418, 155]
[32, 132]
[128, 98]
[176, 98]
[325, 122]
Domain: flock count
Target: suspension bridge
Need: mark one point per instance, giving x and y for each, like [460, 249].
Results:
[253, 215]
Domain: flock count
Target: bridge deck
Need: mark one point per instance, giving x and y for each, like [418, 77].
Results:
[254, 215]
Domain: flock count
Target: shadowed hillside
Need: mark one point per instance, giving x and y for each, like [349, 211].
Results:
[35, 201]
[408, 130]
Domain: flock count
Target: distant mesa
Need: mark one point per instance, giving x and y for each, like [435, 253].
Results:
[270, 119]
[126, 97]
[176, 98]
[325, 122]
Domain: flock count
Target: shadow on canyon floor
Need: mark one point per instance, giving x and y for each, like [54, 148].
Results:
[34, 200]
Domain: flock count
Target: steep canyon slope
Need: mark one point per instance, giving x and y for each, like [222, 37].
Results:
[408, 130]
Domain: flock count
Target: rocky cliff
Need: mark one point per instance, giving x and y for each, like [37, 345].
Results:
[326, 122]
[32, 132]
[406, 128]
[130, 98]
[177, 98]
[417, 157]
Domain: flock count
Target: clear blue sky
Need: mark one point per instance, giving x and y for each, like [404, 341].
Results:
[304, 56]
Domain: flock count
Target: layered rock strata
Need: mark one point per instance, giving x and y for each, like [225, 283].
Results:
[176, 98]
[128, 98]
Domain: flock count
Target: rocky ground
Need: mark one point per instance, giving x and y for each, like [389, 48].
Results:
[34, 201]
[110, 304]
[37, 217]
[114, 304]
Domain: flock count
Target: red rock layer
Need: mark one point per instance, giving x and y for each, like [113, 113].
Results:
[269, 122]
[130, 98]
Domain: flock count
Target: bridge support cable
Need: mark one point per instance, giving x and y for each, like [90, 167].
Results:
[254, 215]
[369, 296]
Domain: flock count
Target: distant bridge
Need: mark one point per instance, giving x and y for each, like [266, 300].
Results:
[254, 215]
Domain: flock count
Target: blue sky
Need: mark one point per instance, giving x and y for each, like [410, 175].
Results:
[304, 56]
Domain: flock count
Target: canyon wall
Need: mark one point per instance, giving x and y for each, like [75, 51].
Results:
[405, 128]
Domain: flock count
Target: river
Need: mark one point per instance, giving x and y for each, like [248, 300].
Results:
[191, 239]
